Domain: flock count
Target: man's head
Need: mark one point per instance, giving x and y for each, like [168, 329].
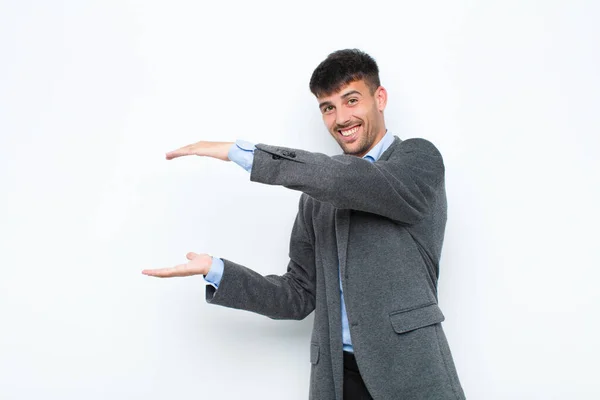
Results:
[351, 100]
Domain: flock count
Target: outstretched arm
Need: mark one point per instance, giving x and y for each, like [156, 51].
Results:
[289, 296]
[402, 188]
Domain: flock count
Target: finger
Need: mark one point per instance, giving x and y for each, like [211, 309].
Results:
[176, 153]
[159, 273]
[166, 272]
[190, 256]
[183, 151]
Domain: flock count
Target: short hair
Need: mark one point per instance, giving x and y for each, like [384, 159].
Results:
[341, 68]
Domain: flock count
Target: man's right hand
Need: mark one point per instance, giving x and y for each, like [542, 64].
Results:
[218, 150]
[198, 264]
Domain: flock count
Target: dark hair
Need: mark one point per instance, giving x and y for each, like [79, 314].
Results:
[342, 67]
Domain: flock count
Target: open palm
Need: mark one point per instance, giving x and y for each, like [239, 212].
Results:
[198, 264]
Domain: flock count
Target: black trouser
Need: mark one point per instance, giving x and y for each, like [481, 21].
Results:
[354, 387]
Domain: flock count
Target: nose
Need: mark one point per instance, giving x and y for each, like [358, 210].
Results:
[342, 116]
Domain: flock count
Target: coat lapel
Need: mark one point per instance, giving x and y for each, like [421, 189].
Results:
[342, 224]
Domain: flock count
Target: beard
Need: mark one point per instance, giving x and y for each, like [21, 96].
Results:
[360, 146]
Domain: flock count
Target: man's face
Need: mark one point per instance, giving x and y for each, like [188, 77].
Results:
[354, 117]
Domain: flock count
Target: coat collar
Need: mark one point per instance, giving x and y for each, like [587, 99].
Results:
[393, 146]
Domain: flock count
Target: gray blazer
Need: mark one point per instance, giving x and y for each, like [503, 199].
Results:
[383, 224]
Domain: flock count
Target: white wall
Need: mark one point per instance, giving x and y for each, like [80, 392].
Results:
[92, 94]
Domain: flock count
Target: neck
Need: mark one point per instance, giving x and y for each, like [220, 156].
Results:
[375, 142]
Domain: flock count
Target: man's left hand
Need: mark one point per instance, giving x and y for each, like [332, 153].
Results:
[198, 264]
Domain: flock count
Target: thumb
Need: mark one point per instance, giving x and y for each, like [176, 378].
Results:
[190, 256]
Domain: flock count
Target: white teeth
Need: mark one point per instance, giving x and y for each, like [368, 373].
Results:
[350, 131]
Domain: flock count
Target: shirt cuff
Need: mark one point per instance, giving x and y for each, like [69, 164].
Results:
[215, 273]
[242, 153]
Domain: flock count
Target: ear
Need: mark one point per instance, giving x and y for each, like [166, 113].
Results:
[381, 98]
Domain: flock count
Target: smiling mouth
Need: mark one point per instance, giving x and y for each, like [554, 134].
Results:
[349, 131]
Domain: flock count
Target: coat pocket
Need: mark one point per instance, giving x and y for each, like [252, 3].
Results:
[417, 317]
[314, 353]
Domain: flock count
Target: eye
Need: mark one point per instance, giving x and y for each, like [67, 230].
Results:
[327, 109]
[352, 101]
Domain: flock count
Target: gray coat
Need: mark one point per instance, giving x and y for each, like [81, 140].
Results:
[383, 224]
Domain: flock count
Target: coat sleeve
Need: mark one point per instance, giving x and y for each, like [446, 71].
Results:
[289, 296]
[402, 188]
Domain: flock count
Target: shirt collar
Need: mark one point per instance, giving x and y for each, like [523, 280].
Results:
[385, 142]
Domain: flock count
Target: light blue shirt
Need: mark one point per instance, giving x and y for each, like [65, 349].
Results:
[242, 153]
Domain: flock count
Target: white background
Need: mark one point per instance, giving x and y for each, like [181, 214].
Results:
[92, 94]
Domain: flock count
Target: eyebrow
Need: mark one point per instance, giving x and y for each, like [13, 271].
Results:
[325, 103]
[350, 93]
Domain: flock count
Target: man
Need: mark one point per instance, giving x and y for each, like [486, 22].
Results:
[364, 249]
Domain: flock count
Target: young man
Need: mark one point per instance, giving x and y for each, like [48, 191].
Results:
[364, 249]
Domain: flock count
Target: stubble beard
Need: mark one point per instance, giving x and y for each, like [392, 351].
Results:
[363, 146]
[359, 148]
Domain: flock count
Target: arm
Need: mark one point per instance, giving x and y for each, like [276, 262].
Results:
[290, 296]
[401, 188]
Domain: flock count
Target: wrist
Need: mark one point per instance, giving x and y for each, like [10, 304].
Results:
[208, 265]
[221, 150]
